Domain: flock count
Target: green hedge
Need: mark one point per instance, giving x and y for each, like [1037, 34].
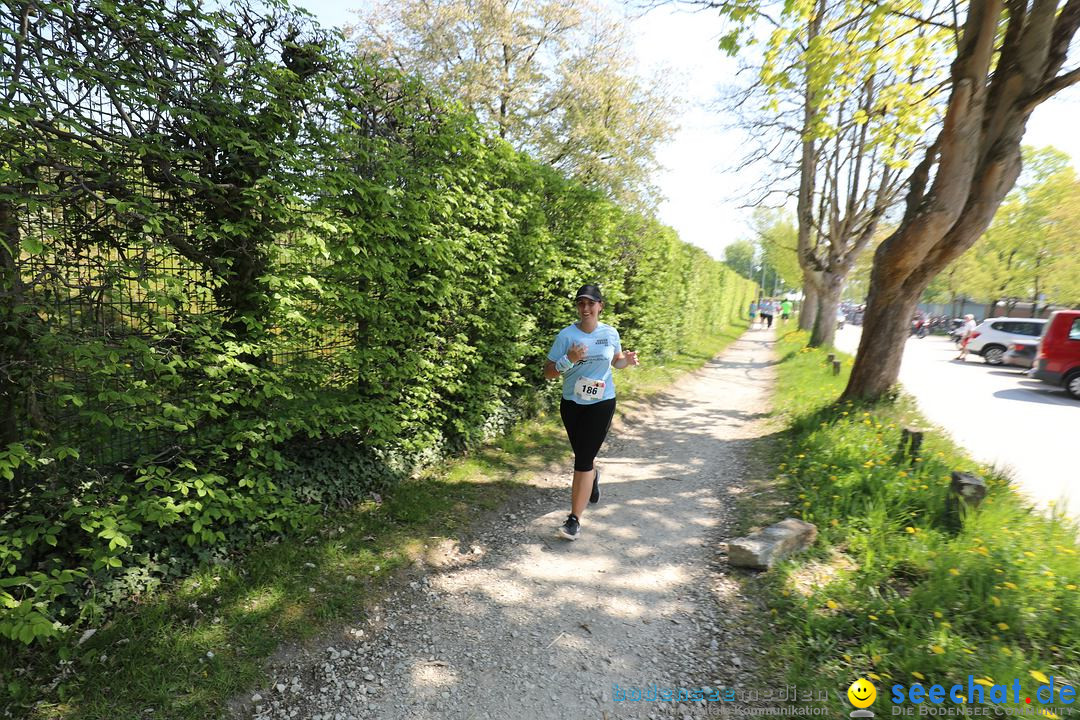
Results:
[269, 285]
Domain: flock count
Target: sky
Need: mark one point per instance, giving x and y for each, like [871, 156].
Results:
[703, 191]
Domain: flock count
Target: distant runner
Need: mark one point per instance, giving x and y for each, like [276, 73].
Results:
[765, 309]
[584, 353]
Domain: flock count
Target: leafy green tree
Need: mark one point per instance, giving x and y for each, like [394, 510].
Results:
[1028, 251]
[554, 77]
[777, 236]
[740, 256]
[842, 76]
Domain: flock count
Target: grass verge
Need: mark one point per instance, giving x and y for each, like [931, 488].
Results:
[898, 589]
[184, 653]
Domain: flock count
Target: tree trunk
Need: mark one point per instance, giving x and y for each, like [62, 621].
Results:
[824, 333]
[886, 325]
[809, 310]
[805, 205]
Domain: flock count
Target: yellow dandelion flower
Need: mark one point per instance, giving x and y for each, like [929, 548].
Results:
[937, 649]
[875, 659]
[1010, 585]
[847, 657]
[902, 474]
[874, 676]
[969, 652]
[872, 617]
[924, 486]
[832, 604]
[890, 611]
[1070, 586]
[834, 522]
[1028, 553]
[1003, 626]
[946, 624]
[984, 681]
[954, 571]
[919, 675]
[1038, 676]
[938, 615]
[910, 530]
[1006, 651]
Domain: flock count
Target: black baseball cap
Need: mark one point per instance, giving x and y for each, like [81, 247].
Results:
[590, 291]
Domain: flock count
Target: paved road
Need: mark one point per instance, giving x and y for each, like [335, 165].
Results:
[999, 414]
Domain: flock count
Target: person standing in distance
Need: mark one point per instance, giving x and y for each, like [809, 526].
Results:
[969, 330]
[583, 354]
[785, 310]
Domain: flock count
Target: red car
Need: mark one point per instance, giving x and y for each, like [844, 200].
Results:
[1058, 358]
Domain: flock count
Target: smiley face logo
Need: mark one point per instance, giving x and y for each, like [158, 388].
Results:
[861, 694]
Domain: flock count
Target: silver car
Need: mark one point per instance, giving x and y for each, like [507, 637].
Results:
[992, 337]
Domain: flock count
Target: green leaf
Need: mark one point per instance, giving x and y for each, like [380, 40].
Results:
[32, 244]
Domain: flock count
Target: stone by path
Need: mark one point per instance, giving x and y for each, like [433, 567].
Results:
[530, 626]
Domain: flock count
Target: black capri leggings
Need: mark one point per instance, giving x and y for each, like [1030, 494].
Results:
[586, 426]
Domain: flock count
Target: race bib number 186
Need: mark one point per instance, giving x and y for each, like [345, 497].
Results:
[589, 390]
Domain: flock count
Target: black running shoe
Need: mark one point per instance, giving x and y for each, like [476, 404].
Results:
[569, 529]
[595, 497]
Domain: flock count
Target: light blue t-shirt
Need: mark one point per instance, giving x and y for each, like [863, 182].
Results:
[590, 380]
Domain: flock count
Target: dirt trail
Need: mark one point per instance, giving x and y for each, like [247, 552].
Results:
[531, 626]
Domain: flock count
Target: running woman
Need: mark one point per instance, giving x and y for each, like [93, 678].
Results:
[583, 354]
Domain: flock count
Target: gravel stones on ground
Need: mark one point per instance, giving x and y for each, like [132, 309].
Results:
[515, 622]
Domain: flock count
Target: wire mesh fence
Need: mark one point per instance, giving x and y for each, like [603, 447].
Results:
[92, 251]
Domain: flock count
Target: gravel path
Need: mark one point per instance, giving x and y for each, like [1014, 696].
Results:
[525, 625]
